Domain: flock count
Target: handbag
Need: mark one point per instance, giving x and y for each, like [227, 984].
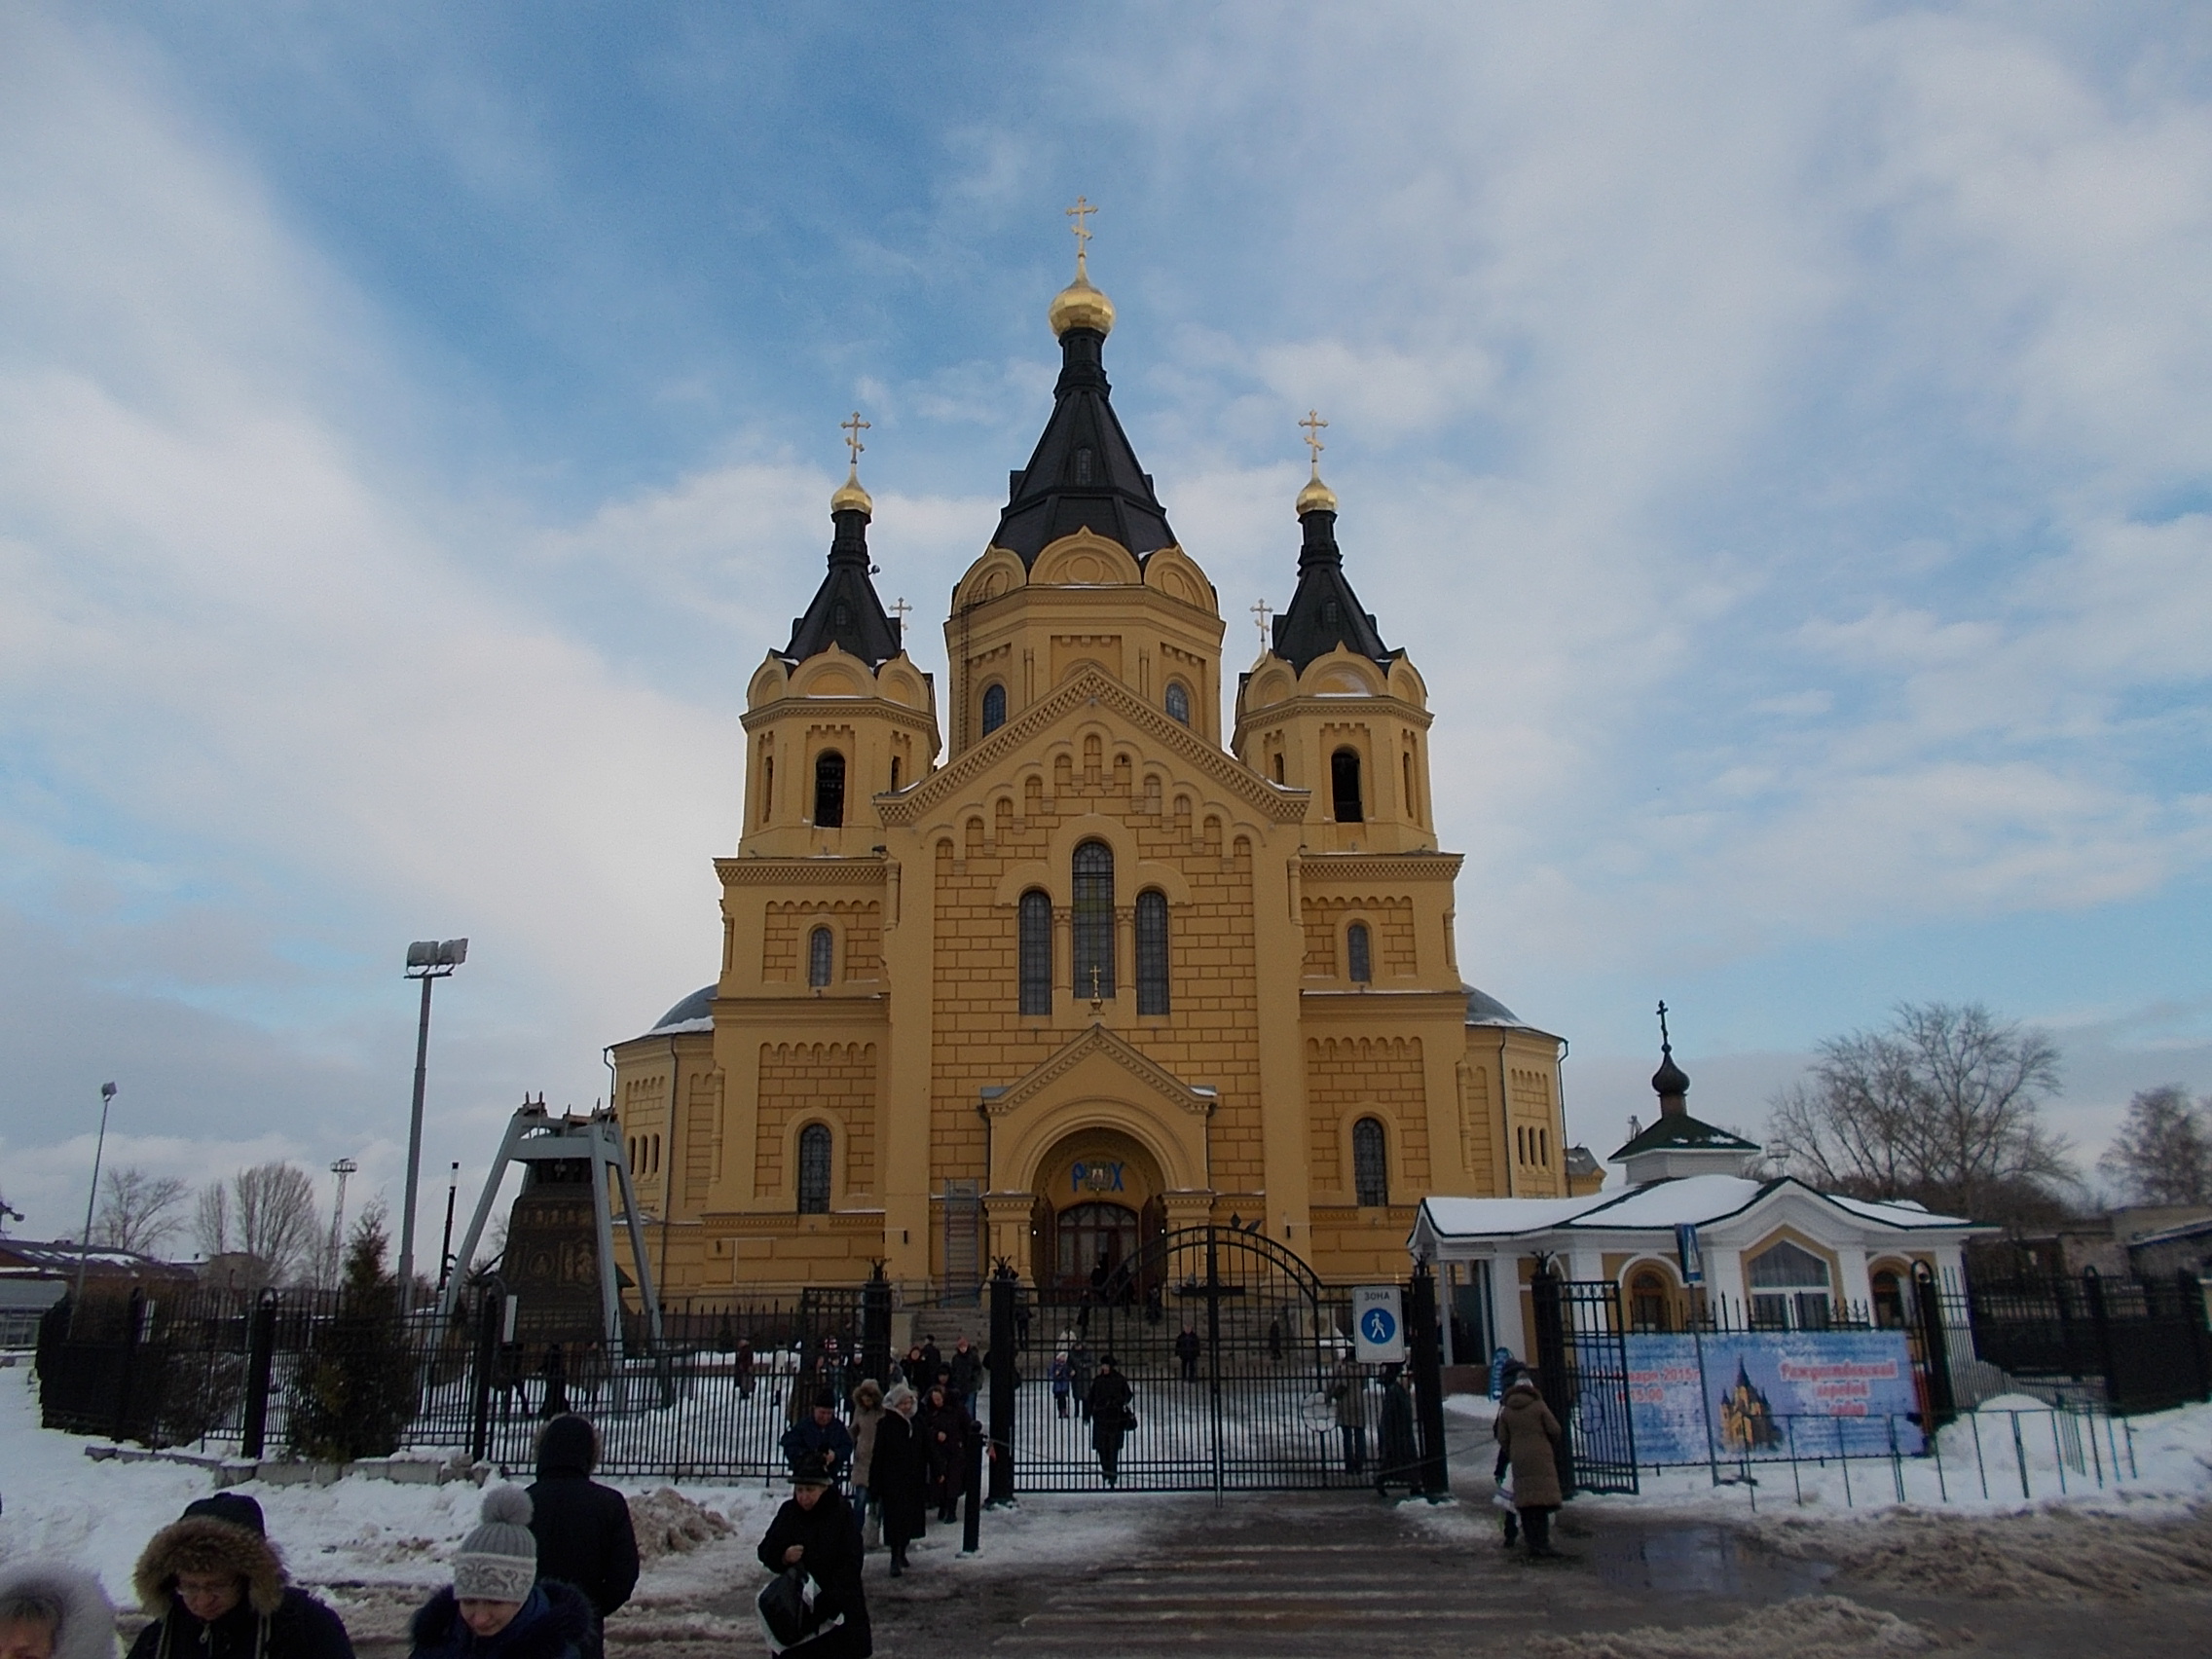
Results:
[786, 1605]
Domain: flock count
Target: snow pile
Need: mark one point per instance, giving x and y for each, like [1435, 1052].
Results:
[2051, 1555]
[1812, 1626]
[667, 1523]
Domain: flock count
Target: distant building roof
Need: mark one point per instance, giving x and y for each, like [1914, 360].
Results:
[1695, 1200]
[1680, 1131]
[25, 1256]
[695, 1013]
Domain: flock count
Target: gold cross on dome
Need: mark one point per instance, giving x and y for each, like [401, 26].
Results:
[901, 609]
[1260, 615]
[853, 429]
[1082, 210]
[1313, 427]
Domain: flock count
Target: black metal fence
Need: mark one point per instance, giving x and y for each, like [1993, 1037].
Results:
[2144, 1344]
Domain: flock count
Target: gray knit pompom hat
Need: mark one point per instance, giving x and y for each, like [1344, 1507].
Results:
[498, 1561]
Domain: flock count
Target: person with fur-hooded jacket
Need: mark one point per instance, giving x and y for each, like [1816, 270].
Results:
[1528, 1433]
[215, 1587]
[496, 1606]
[51, 1611]
[583, 1529]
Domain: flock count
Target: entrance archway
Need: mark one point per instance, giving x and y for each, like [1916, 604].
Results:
[1097, 1203]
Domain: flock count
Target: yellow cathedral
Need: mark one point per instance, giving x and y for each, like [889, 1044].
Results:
[1083, 967]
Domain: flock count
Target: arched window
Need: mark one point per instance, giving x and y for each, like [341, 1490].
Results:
[1036, 950]
[1093, 920]
[1648, 1301]
[1359, 959]
[1790, 1288]
[1178, 702]
[829, 790]
[1888, 1300]
[820, 947]
[767, 786]
[1370, 1163]
[895, 774]
[814, 1169]
[994, 708]
[1279, 767]
[1152, 951]
[1344, 787]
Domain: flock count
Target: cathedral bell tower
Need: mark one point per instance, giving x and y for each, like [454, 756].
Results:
[840, 714]
[1330, 708]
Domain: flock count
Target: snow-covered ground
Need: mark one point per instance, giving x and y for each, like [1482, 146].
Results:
[2151, 1467]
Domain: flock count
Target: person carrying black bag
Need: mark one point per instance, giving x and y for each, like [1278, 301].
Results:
[813, 1539]
[1110, 1417]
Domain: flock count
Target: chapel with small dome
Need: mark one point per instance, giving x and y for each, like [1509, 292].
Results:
[1043, 970]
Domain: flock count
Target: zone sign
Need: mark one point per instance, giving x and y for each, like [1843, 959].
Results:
[1378, 1323]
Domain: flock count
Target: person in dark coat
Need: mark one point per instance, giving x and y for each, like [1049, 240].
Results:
[944, 1426]
[215, 1587]
[556, 1375]
[1108, 1407]
[1080, 1372]
[965, 1370]
[819, 1440]
[932, 1363]
[1187, 1350]
[814, 1529]
[1527, 1435]
[1397, 1455]
[497, 1607]
[897, 1478]
[741, 1372]
[583, 1532]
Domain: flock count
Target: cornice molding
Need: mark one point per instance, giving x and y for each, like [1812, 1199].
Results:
[1331, 710]
[802, 872]
[947, 783]
[796, 706]
[1100, 1041]
[1379, 866]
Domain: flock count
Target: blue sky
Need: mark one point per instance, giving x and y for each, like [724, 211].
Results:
[1778, 435]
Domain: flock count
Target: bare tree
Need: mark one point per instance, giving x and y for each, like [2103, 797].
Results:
[273, 1204]
[138, 1212]
[211, 1221]
[1943, 1107]
[2162, 1154]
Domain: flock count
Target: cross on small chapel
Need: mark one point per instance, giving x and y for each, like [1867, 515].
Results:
[853, 429]
[1082, 210]
[1665, 1041]
[1261, 612]
[901, 609]
[1313, 426]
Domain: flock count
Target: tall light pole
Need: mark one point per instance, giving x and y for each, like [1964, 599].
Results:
[85, 1244]
[342, 1167]
[428, 960]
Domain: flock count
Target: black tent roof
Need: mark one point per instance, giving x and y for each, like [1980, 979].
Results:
[1082, 471]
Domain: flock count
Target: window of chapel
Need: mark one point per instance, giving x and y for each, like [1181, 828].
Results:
[1359, 954]
[1035, 948]
[1178, 702]
[1152, 951]
[994, 708]
[821, 947]
[814, 1169]
[1370, 1163]
[1093, 920]
[829, 790]
[1344, 787]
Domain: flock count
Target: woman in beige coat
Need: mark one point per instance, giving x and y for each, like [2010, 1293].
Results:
[1529, 1432]
[868, 1413]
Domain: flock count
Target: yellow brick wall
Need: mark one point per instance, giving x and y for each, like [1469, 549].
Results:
[798, 1079]
[1390, 926]
[783, 943]
[1345, 1073]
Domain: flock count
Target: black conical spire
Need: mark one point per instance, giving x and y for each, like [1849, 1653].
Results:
[1084, 472]
[1325, 612]
[846, 611]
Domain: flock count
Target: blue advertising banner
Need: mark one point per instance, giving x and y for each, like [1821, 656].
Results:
[1763, 1393]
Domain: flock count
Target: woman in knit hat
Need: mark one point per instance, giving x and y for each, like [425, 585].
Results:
[215, 1588]
[497, 1606]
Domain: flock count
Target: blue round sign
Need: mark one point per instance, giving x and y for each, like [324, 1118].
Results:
[1378, 1327]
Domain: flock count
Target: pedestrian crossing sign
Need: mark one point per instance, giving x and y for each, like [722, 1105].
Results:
[1378, 1325]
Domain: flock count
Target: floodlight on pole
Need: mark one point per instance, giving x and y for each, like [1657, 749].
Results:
[85, 1244]
[428, 960]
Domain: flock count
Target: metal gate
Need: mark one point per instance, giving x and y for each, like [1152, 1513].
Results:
[1583, 1370]
[1262, 1394]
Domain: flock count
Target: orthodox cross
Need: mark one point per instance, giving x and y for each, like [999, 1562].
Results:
[1097, 1001]
[901, 609]
[1078, 212]
[1665, 1041]
[1260, 615]
[1313, 426]
[853, 429]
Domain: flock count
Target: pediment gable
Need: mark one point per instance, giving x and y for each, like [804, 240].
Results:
[1100, 1049]
[1080, 695]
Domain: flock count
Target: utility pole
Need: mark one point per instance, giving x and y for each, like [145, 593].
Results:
[342, 1168]
[428, 960]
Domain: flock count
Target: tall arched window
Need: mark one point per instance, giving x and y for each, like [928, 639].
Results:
[1344, 787]
[1093, 920]
[1036, 951]
[814, 1169]
[820, 948]
[1152, 951]
[830, 790]
[1370, 1163]
[1789, 1288]
[1178, 702]
[994, 708]
[1360, 956]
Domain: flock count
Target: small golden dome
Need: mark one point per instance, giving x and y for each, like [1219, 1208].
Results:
[1316, 497]
[1078, 305]
[851, 498]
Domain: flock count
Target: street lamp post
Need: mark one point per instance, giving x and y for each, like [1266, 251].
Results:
[428, 960]
[85, 1244]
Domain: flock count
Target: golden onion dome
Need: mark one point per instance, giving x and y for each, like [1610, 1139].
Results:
[1316, 497]
[851, 498]
[1080, 305]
